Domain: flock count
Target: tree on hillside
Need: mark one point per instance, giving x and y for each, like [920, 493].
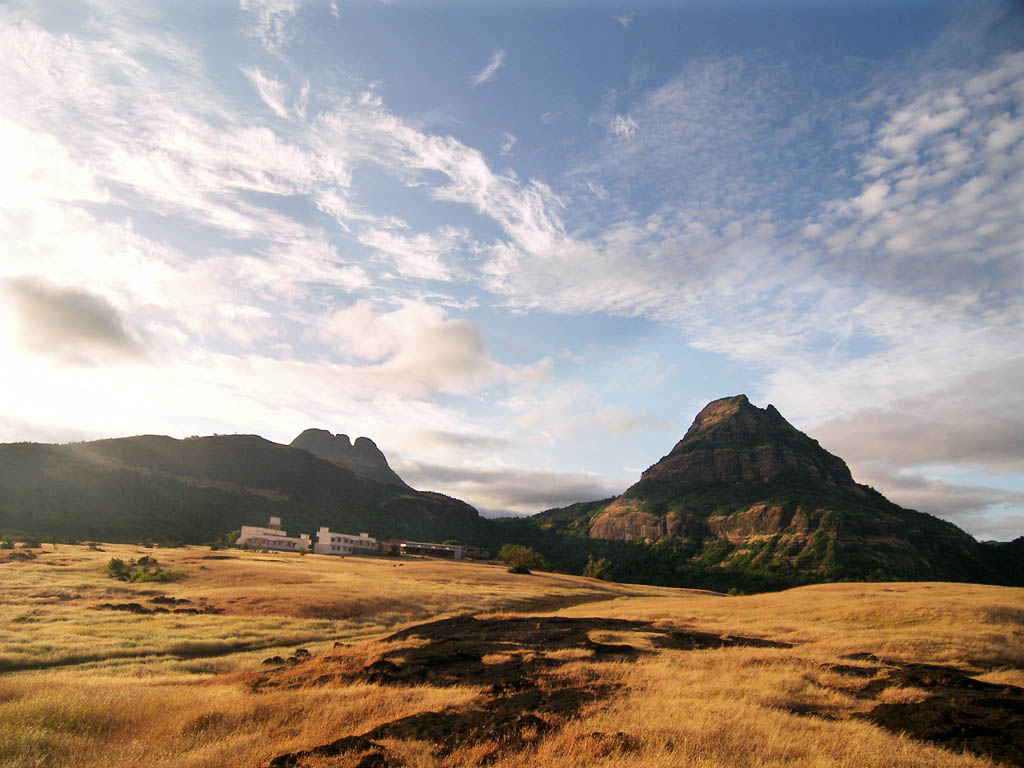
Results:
[596, 569]
[521, 558]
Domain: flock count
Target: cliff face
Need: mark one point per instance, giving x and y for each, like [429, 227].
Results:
[626, 519]
[364, 457]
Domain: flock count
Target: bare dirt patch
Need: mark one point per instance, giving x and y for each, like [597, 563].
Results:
[950, 708]
[514, 660]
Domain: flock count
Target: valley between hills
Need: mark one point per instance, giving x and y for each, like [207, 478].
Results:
[278, 659]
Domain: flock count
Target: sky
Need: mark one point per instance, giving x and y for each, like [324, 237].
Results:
[520, 245]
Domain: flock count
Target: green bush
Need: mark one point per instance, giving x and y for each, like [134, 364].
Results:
[518, 555]
[596, 569]
[157, 575]
[118, 569]
[520, 568]
[142, 570]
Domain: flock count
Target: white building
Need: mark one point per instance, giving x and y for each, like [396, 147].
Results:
[329, 543]
[272, 537]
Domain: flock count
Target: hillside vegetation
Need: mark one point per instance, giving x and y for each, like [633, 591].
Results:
[153, 488]
[275, 660]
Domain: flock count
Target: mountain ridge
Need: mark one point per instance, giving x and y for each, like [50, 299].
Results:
[195, 490]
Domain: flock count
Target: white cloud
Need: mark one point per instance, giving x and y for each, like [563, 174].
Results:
[302, 102]
[416, 256]
[368, 133]
[489, 72]
[624, 20]
[871, 201]
[364, 331]
[507, 143]
[623, 127]
[416, 350]
[272, 91]
[272, 20]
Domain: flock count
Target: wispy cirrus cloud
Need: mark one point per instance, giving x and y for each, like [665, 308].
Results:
[508, 142]
[623, 127]
[271, 20]
[271, 90]
[418, 257]
[488, 73]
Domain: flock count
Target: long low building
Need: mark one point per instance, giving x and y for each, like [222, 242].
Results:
[272, 537]
[447, 551]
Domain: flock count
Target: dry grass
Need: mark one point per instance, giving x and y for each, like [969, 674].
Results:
[88, 687]
[49, 612]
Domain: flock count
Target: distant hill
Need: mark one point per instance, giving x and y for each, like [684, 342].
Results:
[747, 499]
[195, 490]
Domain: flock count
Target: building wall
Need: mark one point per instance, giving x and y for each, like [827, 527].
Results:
[258, 537]
[429, 549]
[332, 543]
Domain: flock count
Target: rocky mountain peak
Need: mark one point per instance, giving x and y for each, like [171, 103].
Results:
[363, 457]
[733, 441]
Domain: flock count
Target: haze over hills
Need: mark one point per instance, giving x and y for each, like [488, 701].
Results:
[744, 500]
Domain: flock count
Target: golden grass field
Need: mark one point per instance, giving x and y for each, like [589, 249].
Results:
[555, 670]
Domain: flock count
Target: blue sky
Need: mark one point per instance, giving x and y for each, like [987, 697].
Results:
[520, 245]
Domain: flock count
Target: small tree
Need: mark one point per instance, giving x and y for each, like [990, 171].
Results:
[596, 569]
[118, 569]
[521, 558]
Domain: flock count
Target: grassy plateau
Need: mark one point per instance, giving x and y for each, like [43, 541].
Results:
[250, 659]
